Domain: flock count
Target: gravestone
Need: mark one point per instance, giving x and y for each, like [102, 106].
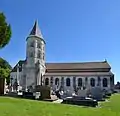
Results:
[82, 93]
[37, 95]
[69, 93]
[66, 93]
[96, 93]
[43, 90]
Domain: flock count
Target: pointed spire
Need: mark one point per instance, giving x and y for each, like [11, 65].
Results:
[36, 31]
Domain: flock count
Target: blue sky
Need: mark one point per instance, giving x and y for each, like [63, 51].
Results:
[74, 30]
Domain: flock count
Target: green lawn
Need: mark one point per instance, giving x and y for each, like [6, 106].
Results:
[21, 107]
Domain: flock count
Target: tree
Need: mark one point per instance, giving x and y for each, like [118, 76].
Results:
[5, 69]
[5, 31]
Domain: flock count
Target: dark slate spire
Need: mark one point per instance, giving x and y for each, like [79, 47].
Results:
[36, 31]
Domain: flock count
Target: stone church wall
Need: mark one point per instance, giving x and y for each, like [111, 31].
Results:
[84, 84]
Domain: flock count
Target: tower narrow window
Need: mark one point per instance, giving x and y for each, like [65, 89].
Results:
[43, 56]
[38, 54]
[43, 48]
[32, 44]
[38, 45]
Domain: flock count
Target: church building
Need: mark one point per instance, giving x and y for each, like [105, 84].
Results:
[59, 76]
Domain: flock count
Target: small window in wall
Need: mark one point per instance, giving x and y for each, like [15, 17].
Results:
[92, 82]
[68, 82]
[105, 82]
[57, 81]
[46, 81]
[80, 82]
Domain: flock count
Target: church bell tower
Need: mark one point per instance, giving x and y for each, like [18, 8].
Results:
[35, 53]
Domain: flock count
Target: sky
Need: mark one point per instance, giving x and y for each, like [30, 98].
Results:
[74, 30]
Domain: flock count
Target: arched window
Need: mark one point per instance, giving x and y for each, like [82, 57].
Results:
[92, 82]
[105, 83]
[57, 81]
[46, 81]
[68, 82]
[80, 82]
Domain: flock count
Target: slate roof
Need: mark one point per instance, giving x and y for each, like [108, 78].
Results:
[70, 66]
[20, 66]
[82, 65]
[36, 31]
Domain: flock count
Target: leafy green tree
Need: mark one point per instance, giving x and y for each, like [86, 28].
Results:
[5, 31]
[5, 69]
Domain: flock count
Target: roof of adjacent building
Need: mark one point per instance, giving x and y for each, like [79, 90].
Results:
[36, 30]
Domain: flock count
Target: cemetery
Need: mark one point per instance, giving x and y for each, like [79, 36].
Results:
[83, 97]
[18, 107]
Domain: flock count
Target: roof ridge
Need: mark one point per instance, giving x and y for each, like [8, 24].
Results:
[75, 62]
